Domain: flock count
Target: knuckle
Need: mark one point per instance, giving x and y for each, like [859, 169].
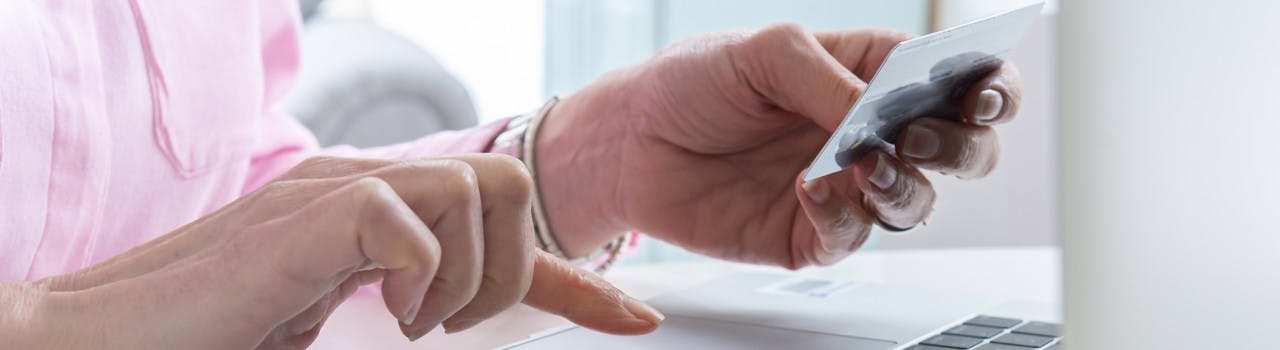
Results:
[984, 165]
[275, 188]
[911, 206]
[505, 162]
[282, 190]
[455, 179]
[457, 174]
[976, 153]
[316, 160]
[906, 197]
[370, 190]
[329, 166]
[890, 35]
[432, 249]
[309, 166]
[516, 184]
[846, 222]
[782, 30]
[376, 199]
[775, 35]
[1012, 103]
[901, 195]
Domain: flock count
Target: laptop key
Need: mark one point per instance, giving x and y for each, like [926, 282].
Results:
[1027, 340]
[1040, 328]
[992, 321]
[974, 331]
[952, 341]
[927, 347]
[994, 346]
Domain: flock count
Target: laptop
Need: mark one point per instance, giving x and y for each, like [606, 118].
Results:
[756, 310]
[919, 77]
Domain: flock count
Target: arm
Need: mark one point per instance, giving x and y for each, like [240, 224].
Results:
[307, 241]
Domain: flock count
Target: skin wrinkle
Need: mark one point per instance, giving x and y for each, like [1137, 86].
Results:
[780, 34]
[754, 183]
[609, 154]
[969, 152]
[895, 205]
[793, 206]
[985, 140]
[786, 195]
[683, 127]
[863, 65]
[864, 62]
[849, 221]
[738, 68]
[750, 98]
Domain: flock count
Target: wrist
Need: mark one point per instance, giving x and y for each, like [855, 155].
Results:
[579, 148]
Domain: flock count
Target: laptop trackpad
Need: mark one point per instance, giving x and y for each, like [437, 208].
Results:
[681, 332]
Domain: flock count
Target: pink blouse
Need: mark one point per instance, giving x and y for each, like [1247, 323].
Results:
[122, 120]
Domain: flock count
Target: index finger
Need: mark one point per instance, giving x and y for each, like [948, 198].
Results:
[586, 299]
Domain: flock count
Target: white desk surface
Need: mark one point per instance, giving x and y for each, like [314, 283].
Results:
[1030, 274]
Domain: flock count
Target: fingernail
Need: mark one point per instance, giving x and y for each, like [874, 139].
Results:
[884, 175]
[414, 335]
[921, 142]
[411, 313]
[459, 326]
[990, 102]
[818, 190]
[643, 311]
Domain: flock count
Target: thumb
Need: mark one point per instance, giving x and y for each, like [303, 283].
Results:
[587, 299]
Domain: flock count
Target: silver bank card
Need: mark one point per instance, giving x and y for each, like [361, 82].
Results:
[927, 76]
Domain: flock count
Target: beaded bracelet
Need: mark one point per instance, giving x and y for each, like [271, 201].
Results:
[519, 139]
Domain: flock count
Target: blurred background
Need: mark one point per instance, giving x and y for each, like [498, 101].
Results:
[429, 65]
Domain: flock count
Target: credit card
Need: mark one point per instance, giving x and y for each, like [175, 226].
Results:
[927, 76]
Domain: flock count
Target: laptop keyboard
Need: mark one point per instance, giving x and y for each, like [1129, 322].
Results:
[995, 333]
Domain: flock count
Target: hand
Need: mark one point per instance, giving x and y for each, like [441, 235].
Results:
[448, 237]
[703, 146]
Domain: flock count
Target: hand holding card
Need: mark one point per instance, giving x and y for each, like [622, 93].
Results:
[705, 145]
[928, 76]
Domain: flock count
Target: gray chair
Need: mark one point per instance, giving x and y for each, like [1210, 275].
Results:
[363, 85]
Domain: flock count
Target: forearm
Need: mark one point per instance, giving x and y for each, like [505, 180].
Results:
[578, 166]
